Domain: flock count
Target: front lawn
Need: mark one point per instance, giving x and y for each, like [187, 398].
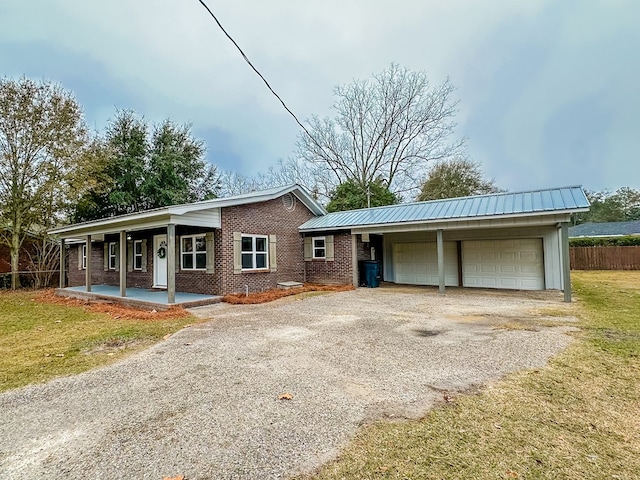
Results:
[577, 418]
[40, 340]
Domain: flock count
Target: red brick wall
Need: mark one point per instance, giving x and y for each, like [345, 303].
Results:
[339, 271]
[5, 258]
[199, 281]
[266, 218]
[75, 276]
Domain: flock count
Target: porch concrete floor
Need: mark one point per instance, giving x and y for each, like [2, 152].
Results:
[139, 296]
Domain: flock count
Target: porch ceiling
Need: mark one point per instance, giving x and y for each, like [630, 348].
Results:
[141, 221]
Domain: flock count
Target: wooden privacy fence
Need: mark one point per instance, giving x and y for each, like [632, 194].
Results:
[605, 258]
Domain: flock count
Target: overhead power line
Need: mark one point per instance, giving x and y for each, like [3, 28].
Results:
[246, 59]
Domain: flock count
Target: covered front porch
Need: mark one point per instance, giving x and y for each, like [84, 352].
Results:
[139, 297]
[128, 274]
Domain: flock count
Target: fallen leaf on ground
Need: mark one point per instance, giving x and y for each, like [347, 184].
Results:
[178, 477]
[285, 396]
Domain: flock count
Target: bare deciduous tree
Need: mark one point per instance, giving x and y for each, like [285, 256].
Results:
[386, 128]
[44, 260]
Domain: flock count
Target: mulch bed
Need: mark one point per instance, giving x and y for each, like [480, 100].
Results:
[276, 293]
[112, 309]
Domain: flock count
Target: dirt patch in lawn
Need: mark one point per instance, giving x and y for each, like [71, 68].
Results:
[277, 293]
[113, 345]
[112, 309]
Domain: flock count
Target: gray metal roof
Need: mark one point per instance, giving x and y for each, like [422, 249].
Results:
[566, 199]
[124, 222]
[605, 229]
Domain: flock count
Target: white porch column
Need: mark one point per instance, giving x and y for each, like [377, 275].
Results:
[63, 259]
[123, 263]
[171, 263]
[354, 259]
[87, 271]
[566, 265]
[440, 246]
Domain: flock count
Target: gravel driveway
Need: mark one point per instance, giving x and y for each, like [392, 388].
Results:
[204, 403]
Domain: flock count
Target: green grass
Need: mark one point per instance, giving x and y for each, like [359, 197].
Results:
[577, 418]
[39, 341]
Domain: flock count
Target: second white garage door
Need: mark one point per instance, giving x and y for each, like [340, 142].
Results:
[417, 263]
[514, 264]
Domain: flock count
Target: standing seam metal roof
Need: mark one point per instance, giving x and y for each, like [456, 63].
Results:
[516, 203]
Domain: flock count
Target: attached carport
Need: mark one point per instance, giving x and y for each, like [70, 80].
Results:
[505, 240]
[506, 258]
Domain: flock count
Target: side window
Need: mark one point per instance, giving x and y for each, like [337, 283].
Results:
[137, 255]
[113, 258]
[84, 256]
[193, 252]
[255, 252]
[319, 247]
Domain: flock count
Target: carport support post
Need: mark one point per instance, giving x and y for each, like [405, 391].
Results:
[566, 265]
[87, 271]
[123, 263]
[354, 259]
[63, 259]
[440, 246]
[171, 263]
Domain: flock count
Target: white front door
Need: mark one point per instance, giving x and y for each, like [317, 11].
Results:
[160, 261]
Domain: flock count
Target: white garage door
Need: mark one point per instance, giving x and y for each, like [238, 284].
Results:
[516, 264]
[417, 263]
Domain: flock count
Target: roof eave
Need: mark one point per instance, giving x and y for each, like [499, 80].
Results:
[166, 214]
[444, 220]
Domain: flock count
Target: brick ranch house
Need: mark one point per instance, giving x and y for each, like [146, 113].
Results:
[255, 241]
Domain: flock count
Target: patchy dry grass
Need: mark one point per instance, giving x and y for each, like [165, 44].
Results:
[277, 293]
[577, 418]
[42, 337]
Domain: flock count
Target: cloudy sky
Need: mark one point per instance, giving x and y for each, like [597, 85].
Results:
[549, 90]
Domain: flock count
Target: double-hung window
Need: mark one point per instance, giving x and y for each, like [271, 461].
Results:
[254, 252]
[137, 255]
[84, 256]
[319, 247]
[193, 252]
[113, 257]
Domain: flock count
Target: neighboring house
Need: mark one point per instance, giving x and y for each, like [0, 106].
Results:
[605, 229]
[255, 241]
[26, 250]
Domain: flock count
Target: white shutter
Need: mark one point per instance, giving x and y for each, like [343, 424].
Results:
[210, 252]
[129, 255]
[308, 249]
[328, 245]
[237, 252]
[117, 256]
[144, 255]
[272, 253]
